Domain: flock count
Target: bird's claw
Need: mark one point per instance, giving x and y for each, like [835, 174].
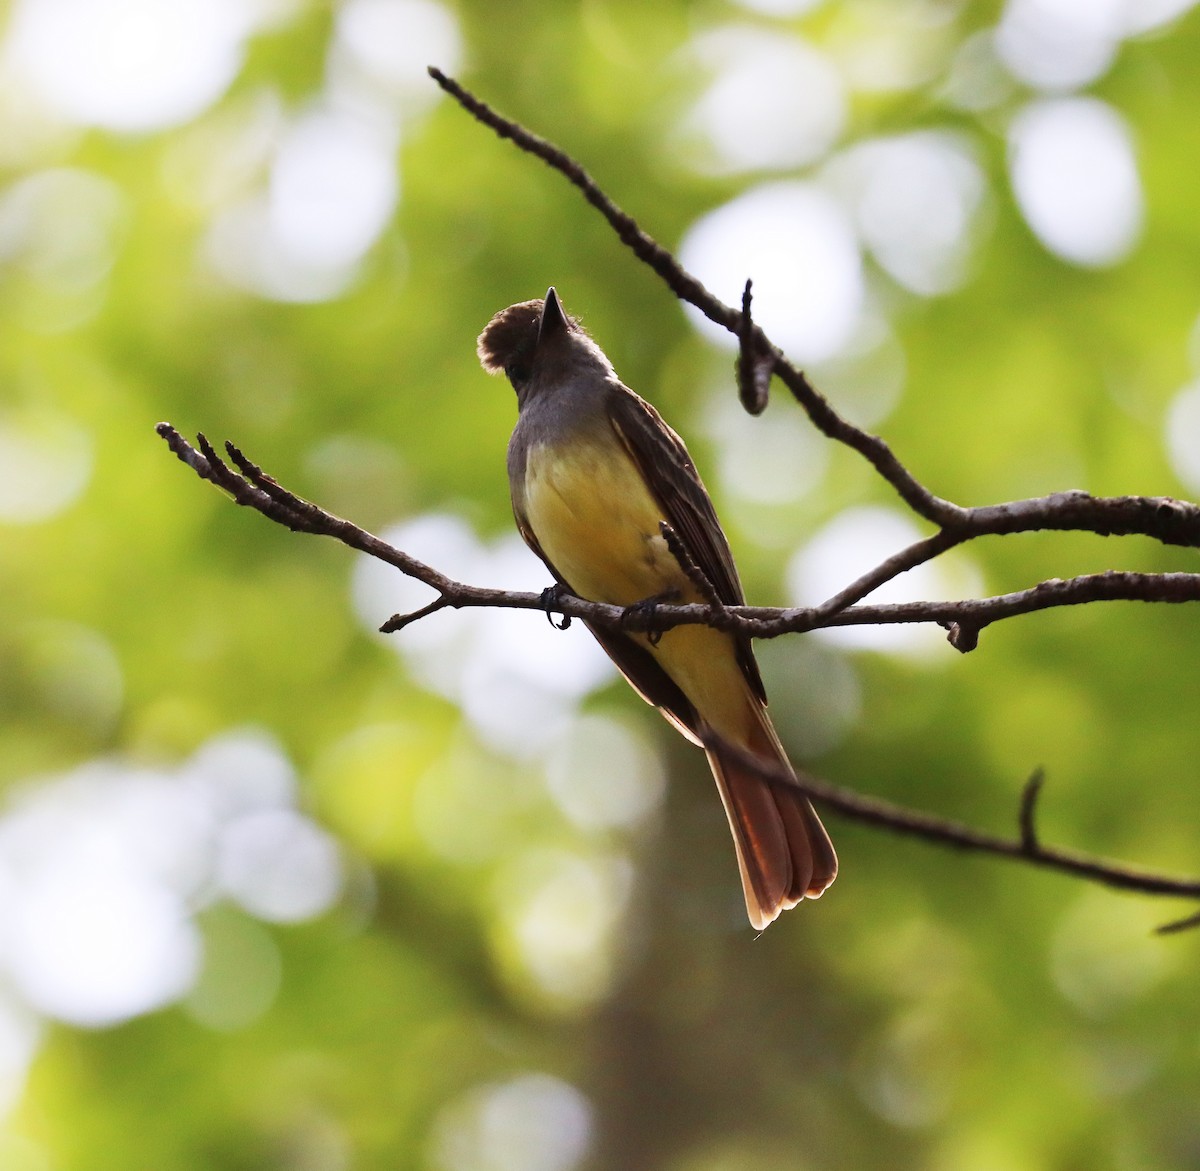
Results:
[551, 600]
[642, 613]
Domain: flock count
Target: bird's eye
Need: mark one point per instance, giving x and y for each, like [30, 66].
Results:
[519, 370]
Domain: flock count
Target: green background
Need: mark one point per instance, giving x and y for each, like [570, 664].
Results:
[935, 1010]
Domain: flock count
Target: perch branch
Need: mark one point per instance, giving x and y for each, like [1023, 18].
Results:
[1169, 521]
[250, 486]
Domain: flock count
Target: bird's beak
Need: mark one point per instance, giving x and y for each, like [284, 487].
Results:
[554, 320]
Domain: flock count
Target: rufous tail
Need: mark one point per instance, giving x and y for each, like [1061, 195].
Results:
[783, 852]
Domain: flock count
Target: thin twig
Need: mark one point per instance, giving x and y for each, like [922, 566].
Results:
[1027, 817]
[916, 554]
[1178, 925]
[945, 832]
[754, 369]
[685, 286]
[688, 288]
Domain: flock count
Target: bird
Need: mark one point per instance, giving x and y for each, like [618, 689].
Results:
[595, 474]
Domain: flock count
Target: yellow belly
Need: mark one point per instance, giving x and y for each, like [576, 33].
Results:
[598, 525]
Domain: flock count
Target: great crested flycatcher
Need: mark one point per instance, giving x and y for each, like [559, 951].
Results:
[594, 471]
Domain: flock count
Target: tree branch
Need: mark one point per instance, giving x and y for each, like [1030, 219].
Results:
[249, 485]
[945, 832]
[688, 288]
[1169, 521]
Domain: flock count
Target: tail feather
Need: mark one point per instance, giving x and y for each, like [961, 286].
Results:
[804, 827]
[784, 854]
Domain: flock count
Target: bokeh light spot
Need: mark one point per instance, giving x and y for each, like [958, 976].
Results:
[130, 65]
[856, 541]
[103, 870]
[240, 772]
[386, 45]
[798, 246]
[279, 865]
[1183, 435]
[604, 774]
[1059, 44]
[773, 102]
[915, 199]
[94, 947]
[556, 921]
[332, 188]
[532, 1123]
[62, 226]
[1076, 179]
[518, 680]
[45, 464]
[764, 461]
[1141, 16]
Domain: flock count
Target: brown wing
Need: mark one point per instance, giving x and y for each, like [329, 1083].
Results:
[668, 469]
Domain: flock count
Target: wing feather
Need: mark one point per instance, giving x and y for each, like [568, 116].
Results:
[668, 469]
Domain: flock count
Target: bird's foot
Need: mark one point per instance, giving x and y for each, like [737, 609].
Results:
[551, 600]
[641, 614]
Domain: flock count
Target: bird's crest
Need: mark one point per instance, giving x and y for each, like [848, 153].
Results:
[508, 333]
[512, 332]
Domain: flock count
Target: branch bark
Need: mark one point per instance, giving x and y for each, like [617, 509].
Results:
[1164, 519]
[251, 487]
[1170, 521]
[688, 288]
[1024, 848]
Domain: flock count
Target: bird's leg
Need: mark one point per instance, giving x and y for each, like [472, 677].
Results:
[640, 614]
[551, 600]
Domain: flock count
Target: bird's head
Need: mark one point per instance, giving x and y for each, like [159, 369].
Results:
[536, 341]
